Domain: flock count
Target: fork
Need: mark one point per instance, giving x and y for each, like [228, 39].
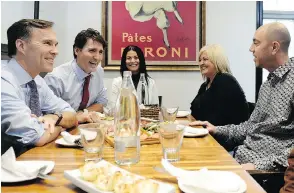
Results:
[45, 176]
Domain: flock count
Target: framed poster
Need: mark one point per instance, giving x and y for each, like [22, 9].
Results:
[170, 33]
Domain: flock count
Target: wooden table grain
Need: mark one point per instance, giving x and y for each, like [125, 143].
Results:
[196, 153]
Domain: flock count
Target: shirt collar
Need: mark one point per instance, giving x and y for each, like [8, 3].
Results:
[22, 76]
[282, 70]
[81, 74]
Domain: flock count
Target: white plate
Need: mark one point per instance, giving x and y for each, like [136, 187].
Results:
[75, 177]
[188, 189]
[195, 132]
[183, 113]
[9, 177]
[182, 122]
[62, 142]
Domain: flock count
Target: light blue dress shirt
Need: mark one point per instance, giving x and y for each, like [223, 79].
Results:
[16, 117]
[67, 82]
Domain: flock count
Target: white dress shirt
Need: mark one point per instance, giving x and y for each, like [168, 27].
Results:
[116, 85]
[16, 117]
[67, 82]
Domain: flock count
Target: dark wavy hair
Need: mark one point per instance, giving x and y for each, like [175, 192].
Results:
[82, 38]
[142, 65]
[22, 29]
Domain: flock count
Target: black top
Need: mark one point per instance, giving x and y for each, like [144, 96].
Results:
[136, 78]
[223, 103]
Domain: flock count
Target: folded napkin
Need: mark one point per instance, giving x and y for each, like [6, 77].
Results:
[19, 169]
[207, 181]
[72, 139]
[69, 138]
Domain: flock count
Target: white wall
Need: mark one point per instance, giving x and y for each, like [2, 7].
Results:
[231, 24]
[12, 11]
[57, 12]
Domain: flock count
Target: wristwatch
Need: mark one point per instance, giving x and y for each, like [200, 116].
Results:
[59, 115]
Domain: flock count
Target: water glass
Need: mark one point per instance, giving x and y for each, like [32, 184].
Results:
[171, 138]
[169, 114]
[92, 139]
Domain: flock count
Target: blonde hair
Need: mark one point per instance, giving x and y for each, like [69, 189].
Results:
[217, 56]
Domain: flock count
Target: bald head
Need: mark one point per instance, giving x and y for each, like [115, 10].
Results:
[277, 32]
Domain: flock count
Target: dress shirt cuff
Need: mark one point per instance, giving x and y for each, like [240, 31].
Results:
[265, 164]
[68, 109]
[221, 131]
[32, 135]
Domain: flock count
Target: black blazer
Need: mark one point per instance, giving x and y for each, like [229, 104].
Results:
[223, 103]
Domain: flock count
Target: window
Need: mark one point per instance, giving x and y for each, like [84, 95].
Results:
[279, 11]
[277, 5]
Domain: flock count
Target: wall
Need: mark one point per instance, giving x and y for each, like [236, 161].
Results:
[231, 24]
[12, 11]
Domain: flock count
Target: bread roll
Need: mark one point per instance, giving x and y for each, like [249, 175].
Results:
[89, 172]
[145, 186]
[123, 188]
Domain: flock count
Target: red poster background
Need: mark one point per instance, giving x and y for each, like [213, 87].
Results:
[180, 36]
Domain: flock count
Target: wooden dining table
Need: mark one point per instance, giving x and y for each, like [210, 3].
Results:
[196, 153]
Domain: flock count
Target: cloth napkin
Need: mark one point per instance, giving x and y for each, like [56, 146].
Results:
[208, 181]
[69, 138]
[18, 169]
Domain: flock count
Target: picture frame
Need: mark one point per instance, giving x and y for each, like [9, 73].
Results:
[165, 31]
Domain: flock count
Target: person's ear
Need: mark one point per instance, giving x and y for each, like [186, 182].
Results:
[77, 50]
[20, 45]
[276, 47]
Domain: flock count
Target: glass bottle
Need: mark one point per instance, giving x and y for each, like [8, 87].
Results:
[142, 90]
[127, 124]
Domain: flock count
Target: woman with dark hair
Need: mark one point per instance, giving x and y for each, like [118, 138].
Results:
[133, 60]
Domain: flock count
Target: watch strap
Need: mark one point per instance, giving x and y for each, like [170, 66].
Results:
[59, 118]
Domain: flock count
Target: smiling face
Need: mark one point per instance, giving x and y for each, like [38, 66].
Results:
[132, 61]
[207, 68]
[90, 56]
[39, 51]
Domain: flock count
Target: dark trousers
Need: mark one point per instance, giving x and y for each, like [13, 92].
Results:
[8, 141]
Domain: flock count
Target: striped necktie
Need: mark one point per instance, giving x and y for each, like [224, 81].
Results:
[34, 99]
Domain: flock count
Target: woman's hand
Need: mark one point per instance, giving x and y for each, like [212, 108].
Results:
[210, 127]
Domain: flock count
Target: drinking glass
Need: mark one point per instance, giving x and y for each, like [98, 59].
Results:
[92, 140]
[171, 138]
[169, 114]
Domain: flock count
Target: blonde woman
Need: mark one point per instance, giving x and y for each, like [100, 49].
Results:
[220, 99]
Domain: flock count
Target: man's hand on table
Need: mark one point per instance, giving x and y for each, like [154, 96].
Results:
[87, 117]
[48, 121]
[248, 166]
[210, 127]
[68, 120]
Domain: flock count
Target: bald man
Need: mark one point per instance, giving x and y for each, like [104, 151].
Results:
[265, 140]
